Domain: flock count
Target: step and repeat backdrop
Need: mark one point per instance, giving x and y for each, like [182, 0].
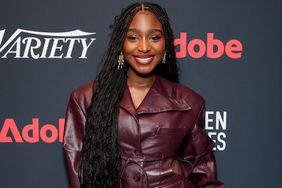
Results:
[228, 51]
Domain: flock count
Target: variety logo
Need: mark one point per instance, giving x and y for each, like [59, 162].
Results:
[38, 45]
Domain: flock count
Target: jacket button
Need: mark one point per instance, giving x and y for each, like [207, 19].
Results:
[136, 177]
[137, 152]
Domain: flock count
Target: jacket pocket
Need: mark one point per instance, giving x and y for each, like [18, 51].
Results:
[170, 131]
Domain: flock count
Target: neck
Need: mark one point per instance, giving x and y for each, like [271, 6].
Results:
[139, 81]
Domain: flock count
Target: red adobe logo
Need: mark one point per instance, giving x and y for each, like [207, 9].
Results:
[213, 48]
[32, 133]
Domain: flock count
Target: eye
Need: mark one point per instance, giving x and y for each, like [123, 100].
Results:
[132, 37]
[156, 37]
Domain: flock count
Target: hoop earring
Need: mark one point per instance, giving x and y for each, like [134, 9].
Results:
[164, 58]
[120, 61]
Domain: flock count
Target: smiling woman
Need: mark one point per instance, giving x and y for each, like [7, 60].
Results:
[136, 126]
[144, 45]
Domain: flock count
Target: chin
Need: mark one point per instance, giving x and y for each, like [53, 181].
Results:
[145, 71]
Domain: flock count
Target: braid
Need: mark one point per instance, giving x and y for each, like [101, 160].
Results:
[100, 159]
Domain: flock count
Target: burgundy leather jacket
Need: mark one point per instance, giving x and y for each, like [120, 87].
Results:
[167, 125]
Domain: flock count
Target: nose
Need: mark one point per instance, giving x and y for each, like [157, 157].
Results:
[144, 46]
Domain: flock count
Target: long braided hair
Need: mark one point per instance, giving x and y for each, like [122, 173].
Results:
[100, 159]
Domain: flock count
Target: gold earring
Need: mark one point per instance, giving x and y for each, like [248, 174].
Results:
[164, 58]
[120, 61]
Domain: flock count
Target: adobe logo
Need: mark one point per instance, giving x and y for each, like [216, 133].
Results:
[212, 48]
[32, 133]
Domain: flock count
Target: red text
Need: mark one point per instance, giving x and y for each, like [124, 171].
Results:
[32, 133]
[212, 48]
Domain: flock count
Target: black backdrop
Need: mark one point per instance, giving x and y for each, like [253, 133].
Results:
[243, 95]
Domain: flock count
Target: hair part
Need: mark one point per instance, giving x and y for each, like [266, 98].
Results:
[100, 159]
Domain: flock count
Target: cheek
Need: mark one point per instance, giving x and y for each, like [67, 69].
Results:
[160, 47]
[128, 47]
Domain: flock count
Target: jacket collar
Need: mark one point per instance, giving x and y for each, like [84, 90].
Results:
[160, 98]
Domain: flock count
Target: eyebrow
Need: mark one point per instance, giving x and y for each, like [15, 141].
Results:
[150, 31]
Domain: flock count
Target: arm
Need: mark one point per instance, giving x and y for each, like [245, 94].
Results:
[197, 160]
[73, 138]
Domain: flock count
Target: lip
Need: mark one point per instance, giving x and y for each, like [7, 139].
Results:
[144, 60]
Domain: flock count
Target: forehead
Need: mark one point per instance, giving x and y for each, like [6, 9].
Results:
[144, 20]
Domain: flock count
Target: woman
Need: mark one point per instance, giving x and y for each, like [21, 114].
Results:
[136, 126]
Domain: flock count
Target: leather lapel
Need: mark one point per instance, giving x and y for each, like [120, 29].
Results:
[160, 98]
[127, 103]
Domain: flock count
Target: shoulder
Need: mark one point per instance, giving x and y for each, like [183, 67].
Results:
[84, 90]
[82, 95]
[188, 94]
[181, 92]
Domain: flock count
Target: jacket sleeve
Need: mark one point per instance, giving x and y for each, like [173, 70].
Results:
[197, 160]
[73, 137]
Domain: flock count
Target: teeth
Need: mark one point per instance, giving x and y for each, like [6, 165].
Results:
[144, 60]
